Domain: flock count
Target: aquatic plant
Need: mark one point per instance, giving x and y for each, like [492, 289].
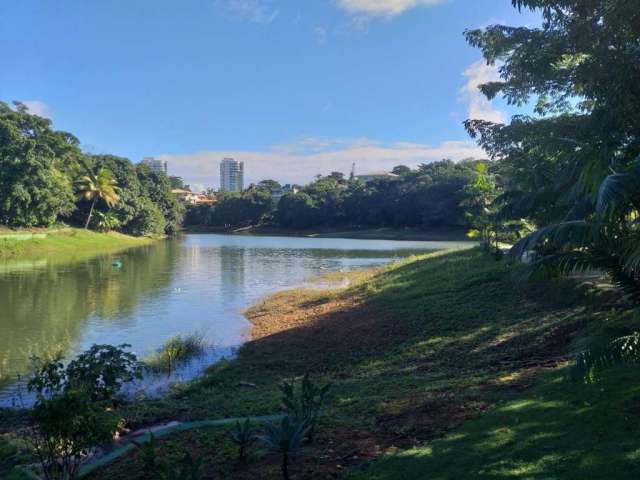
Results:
[176, 350]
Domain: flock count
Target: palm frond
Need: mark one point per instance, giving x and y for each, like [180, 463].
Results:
[618, 192]
[572, 234]
[590, 364]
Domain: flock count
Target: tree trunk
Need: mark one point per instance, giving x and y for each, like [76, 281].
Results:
[93, 204]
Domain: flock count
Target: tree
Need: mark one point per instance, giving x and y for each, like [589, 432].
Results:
[101, 185]
[481, 206]
[35, 188]
[177, 182]
[296, 210]
[157, 187]
[575, 166]
[268, 185]
[401, 170]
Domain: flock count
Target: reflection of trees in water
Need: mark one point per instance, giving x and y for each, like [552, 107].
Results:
[44, 309]
[232, 265]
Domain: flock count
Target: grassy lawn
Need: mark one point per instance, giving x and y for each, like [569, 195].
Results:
[443, 366]
[66, 243]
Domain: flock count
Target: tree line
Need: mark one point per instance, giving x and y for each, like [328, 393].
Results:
[431, 196]
[45, 179]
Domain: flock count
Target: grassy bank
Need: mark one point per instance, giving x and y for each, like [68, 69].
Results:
[66, 243]
[442, 367]
[413, 234]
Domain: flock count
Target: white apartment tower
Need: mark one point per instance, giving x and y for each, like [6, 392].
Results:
[159, 166]
[231, 175]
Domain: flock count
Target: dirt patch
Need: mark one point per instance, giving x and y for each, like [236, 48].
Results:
[333, 325]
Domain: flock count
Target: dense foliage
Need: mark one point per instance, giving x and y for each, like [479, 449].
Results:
[574, 166]
[73, 409]
[427, 197]
[45, 178]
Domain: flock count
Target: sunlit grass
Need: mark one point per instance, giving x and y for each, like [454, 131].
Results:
[69, 243]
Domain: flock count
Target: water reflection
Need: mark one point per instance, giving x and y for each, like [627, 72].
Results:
[46, 307]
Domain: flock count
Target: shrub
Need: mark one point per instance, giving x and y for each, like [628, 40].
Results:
[188, 468]
[149, 453]
[65, 428]
[72, 411]
[284, 438]
[243, 434]
[306, 406]
[102, 370]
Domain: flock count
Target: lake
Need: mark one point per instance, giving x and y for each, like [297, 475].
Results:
[142, 297]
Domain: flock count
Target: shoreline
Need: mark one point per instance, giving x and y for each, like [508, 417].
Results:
[408, 234]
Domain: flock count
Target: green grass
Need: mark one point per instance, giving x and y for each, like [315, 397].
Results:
[176, 350]
[68, 243]
[559, 430]
[446, 359]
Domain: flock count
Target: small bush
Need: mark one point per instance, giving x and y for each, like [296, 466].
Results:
[72, 413]
[306, 406]
[243, 434]
[284, 438]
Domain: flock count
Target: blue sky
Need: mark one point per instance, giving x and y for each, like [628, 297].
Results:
[293, 87]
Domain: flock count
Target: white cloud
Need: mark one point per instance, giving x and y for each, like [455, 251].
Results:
[383, 8]
[256, 11]
[320, 35]
[479, 107]
[38, 107]
[300, 161]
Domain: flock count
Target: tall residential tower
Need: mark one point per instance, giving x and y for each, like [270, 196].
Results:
[159, 166]
[231, 175]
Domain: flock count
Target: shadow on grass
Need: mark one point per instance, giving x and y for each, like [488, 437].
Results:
[560, 430]
[421, 348]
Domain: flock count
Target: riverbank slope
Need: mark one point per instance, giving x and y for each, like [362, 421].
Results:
[442, 366]
[64, 242]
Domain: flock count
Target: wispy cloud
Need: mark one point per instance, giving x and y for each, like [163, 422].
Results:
[300, 161]
[320, 35]
[382, 8]
[38, 107]
[255, 11]
[479, 107]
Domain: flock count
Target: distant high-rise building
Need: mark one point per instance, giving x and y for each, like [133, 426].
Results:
[231, 175]
[156, 165]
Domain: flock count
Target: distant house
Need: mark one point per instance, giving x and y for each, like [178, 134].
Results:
[370, 177]
[278, 193]
[190, 198]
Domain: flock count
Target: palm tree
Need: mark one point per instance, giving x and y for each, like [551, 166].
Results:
[101, 185]
[605, 237]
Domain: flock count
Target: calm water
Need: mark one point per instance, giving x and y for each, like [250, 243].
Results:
[200, 283]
